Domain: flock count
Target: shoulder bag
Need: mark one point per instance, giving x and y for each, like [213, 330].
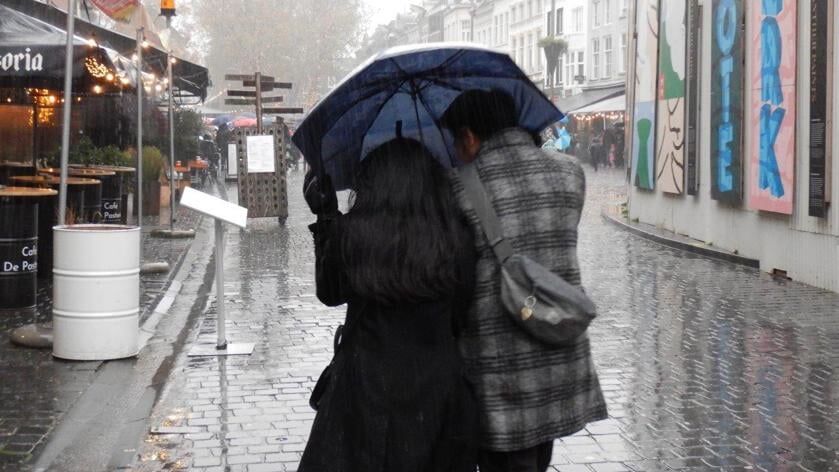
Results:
[539, 301]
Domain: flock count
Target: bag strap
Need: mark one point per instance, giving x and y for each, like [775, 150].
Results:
[476, 193]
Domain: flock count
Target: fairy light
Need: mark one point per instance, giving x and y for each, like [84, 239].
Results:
[97, 89]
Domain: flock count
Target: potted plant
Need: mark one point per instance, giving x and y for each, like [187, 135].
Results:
[554, 49]
[152, 168]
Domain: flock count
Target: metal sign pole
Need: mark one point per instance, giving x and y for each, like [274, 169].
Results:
[221, 211]
[258, 103]
[221, 343]
[140, 35]
[173, 172]
[68, 103]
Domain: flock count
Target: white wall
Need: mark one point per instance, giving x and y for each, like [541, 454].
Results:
[807, 248]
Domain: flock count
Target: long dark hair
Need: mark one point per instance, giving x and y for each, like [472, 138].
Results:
[404, 231]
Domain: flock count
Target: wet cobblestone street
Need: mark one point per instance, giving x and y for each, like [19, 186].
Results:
[37, 389]
[706, 365]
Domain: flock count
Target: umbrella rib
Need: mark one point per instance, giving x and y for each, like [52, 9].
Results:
[439, 130]
[372, 122]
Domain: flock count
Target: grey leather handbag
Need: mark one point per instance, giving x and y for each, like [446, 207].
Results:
[539, 301]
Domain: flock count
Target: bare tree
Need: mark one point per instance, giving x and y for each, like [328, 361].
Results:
[305, 42]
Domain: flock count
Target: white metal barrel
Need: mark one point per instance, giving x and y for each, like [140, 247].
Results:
[96, 292]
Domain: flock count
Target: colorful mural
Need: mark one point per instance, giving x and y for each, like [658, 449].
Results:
[773, 59]
[670, 117]
[727, 100]
[646, 70]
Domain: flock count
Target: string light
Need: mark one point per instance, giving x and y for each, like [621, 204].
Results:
[97, 89]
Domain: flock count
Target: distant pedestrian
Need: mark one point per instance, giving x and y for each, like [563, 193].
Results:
[402, 258]
[530, 393]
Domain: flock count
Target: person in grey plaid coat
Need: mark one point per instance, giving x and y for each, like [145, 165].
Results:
[530, 393]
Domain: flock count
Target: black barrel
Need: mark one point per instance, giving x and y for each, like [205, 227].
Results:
[9, 169]
[48, 211]
[19, 245]
[93, 210]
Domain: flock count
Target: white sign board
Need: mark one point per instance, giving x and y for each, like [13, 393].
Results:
[232, 160]
[214, 207]
[260, 154]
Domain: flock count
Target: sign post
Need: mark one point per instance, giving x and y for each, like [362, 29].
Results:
[223, 212]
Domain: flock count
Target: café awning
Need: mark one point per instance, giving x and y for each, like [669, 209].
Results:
[191, 80]
[32, 53]
[610, 105]
[587, 97]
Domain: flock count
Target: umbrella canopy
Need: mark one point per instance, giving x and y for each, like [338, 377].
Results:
[407, 89]
[243, 122]
[223, 119]
[564, 139]
[32, 53]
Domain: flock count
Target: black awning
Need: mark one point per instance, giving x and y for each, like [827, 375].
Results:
[587, 97]
[191, 79]
[32, 54]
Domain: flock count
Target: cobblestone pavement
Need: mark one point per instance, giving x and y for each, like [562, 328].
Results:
[705, 365]
[36, 389]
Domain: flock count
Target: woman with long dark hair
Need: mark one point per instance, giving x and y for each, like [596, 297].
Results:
[394, 398]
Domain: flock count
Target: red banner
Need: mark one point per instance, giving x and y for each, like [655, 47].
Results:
[120, 10]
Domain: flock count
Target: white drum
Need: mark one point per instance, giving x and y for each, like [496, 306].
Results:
[96, 292]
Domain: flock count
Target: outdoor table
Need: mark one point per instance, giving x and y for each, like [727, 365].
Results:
[9, 169]
[48, 214]
[19, 245]
[96, 197]
[196, 170]
[123, 174]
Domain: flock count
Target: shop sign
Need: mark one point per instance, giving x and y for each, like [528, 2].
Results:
[21, 60]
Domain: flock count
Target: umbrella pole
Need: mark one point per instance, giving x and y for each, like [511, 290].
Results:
[68, 103]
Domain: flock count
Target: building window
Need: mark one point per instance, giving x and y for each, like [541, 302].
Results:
[529, 8]
[607, 57]
[624, 7]
[607, 12]
[579, 19]
[622, 58]
[537, 53]
[466, 30]
[521, 51]
[581, 65]
[529, 51]
[521, 11]
[538, 7]
[506, 26]
[595, 12]
[514, 53]
[559, 21]
[595, 59]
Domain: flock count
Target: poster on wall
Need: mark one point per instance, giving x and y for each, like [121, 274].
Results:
[773, 56]
[670, 117]
[727, 22]
[694, 54]
[820, 11]
[646, 71]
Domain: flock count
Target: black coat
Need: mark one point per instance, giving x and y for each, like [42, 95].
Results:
[397, 400]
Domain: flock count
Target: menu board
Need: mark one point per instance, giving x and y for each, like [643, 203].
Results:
[260, 154]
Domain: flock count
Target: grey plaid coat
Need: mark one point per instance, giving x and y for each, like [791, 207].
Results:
[529, 392]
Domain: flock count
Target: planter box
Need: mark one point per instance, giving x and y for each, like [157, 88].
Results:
[151, 198]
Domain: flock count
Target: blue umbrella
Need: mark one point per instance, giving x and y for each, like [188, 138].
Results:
[222, 119]
[404, 91]
[564, 139]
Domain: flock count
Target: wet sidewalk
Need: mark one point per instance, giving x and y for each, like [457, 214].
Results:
[706, 365]
[37, 390]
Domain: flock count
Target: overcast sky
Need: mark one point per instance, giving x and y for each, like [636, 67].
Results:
[385, 10]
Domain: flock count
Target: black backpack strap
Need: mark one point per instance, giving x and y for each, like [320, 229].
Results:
[477, 195]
